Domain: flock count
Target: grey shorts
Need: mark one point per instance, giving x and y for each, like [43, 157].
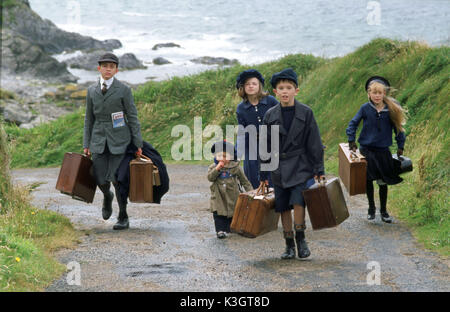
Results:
[286, 198]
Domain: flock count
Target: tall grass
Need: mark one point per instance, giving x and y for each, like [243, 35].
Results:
[27, 235]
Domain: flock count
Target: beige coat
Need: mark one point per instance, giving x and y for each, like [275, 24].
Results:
[225, 190]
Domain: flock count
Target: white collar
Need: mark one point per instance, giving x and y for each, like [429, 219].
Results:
[108, 82]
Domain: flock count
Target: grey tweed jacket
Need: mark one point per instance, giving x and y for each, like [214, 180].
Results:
[98, 121]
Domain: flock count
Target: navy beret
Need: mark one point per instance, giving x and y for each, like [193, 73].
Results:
[223, 146]
[287, 73]
[246, 74]
[108, 57]
[379, 79]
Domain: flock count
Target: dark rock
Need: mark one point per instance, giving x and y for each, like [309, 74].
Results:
[20, 56]
[89, 61]
[160, 61]
[15, 112]
[165, 45]
[208, 60]
[130, 61]
[22, 20]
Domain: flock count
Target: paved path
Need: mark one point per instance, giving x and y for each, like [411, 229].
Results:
[173, 247]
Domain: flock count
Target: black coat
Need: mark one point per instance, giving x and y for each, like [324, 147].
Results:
[300, 150]
[123, 172]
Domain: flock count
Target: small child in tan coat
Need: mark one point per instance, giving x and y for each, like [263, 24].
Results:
[227, 177]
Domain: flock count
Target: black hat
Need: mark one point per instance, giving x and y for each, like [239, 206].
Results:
[223, 146]
[287, 73]
[379, 79]
[108, 57]
[246, 74]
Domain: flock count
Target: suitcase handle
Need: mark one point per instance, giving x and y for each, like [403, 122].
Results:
[322, 182]
[144, 157]
[356, 156]
[262, 187]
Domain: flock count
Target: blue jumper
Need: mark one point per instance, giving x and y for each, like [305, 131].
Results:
[377, 128]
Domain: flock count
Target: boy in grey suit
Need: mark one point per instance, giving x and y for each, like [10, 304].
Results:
[110, 124]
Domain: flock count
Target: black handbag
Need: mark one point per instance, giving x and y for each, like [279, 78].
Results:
[402, 164]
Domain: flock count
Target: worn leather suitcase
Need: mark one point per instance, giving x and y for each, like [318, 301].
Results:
[326, 204]
[144, 175]
[76, 177]
[352, 170]
[402, 164]
[254, 213]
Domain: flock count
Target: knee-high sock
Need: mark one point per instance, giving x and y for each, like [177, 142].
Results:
[122, 203]
[383, 197]
[369, 193]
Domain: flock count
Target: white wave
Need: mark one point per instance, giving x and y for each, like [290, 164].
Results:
[136, 14]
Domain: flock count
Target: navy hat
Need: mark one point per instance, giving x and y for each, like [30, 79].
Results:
[246, 74]
[379, 79]
[108, 57]
[223, 146]
[287, 73]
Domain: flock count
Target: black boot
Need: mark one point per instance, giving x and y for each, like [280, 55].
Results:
[108, 197]
[302, 246]
[385, 217]
[289, 253]
[122, 220]
[369, 193]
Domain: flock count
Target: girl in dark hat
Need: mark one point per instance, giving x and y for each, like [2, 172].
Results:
[250, 113]
[381, 116]
[226, 175]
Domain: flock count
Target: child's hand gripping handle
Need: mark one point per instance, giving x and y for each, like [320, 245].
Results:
[262, 189]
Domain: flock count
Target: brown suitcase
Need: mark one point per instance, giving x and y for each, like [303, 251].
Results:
[76, 177]
[352, 170]
[254, 213]
[326, 204]
[144, 175]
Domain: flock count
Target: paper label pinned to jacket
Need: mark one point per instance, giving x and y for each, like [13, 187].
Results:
[117, 119]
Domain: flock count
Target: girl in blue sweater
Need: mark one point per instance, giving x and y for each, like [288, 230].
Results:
[381, 116]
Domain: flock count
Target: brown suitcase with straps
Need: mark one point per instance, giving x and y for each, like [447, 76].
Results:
[254, 213]
[144, 175]
[352, 170]
[326, 204]
[76, 177]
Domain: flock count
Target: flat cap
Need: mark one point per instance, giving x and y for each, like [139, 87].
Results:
[108, 57]
[379, 79]
[246, 74]
[287, 73]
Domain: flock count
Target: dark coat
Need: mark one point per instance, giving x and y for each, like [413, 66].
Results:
[247, 115]
[300, 150]
[123, 173]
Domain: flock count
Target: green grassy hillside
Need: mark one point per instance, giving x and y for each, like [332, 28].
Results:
[334, 88]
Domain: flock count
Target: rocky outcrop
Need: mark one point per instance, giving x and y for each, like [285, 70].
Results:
[28, 40]
[160, 61]
[89, 61]
[21, 57]
[208, 60]
[165, 45]
[22, 20]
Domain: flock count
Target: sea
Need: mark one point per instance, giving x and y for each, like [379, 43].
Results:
[252, 32]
